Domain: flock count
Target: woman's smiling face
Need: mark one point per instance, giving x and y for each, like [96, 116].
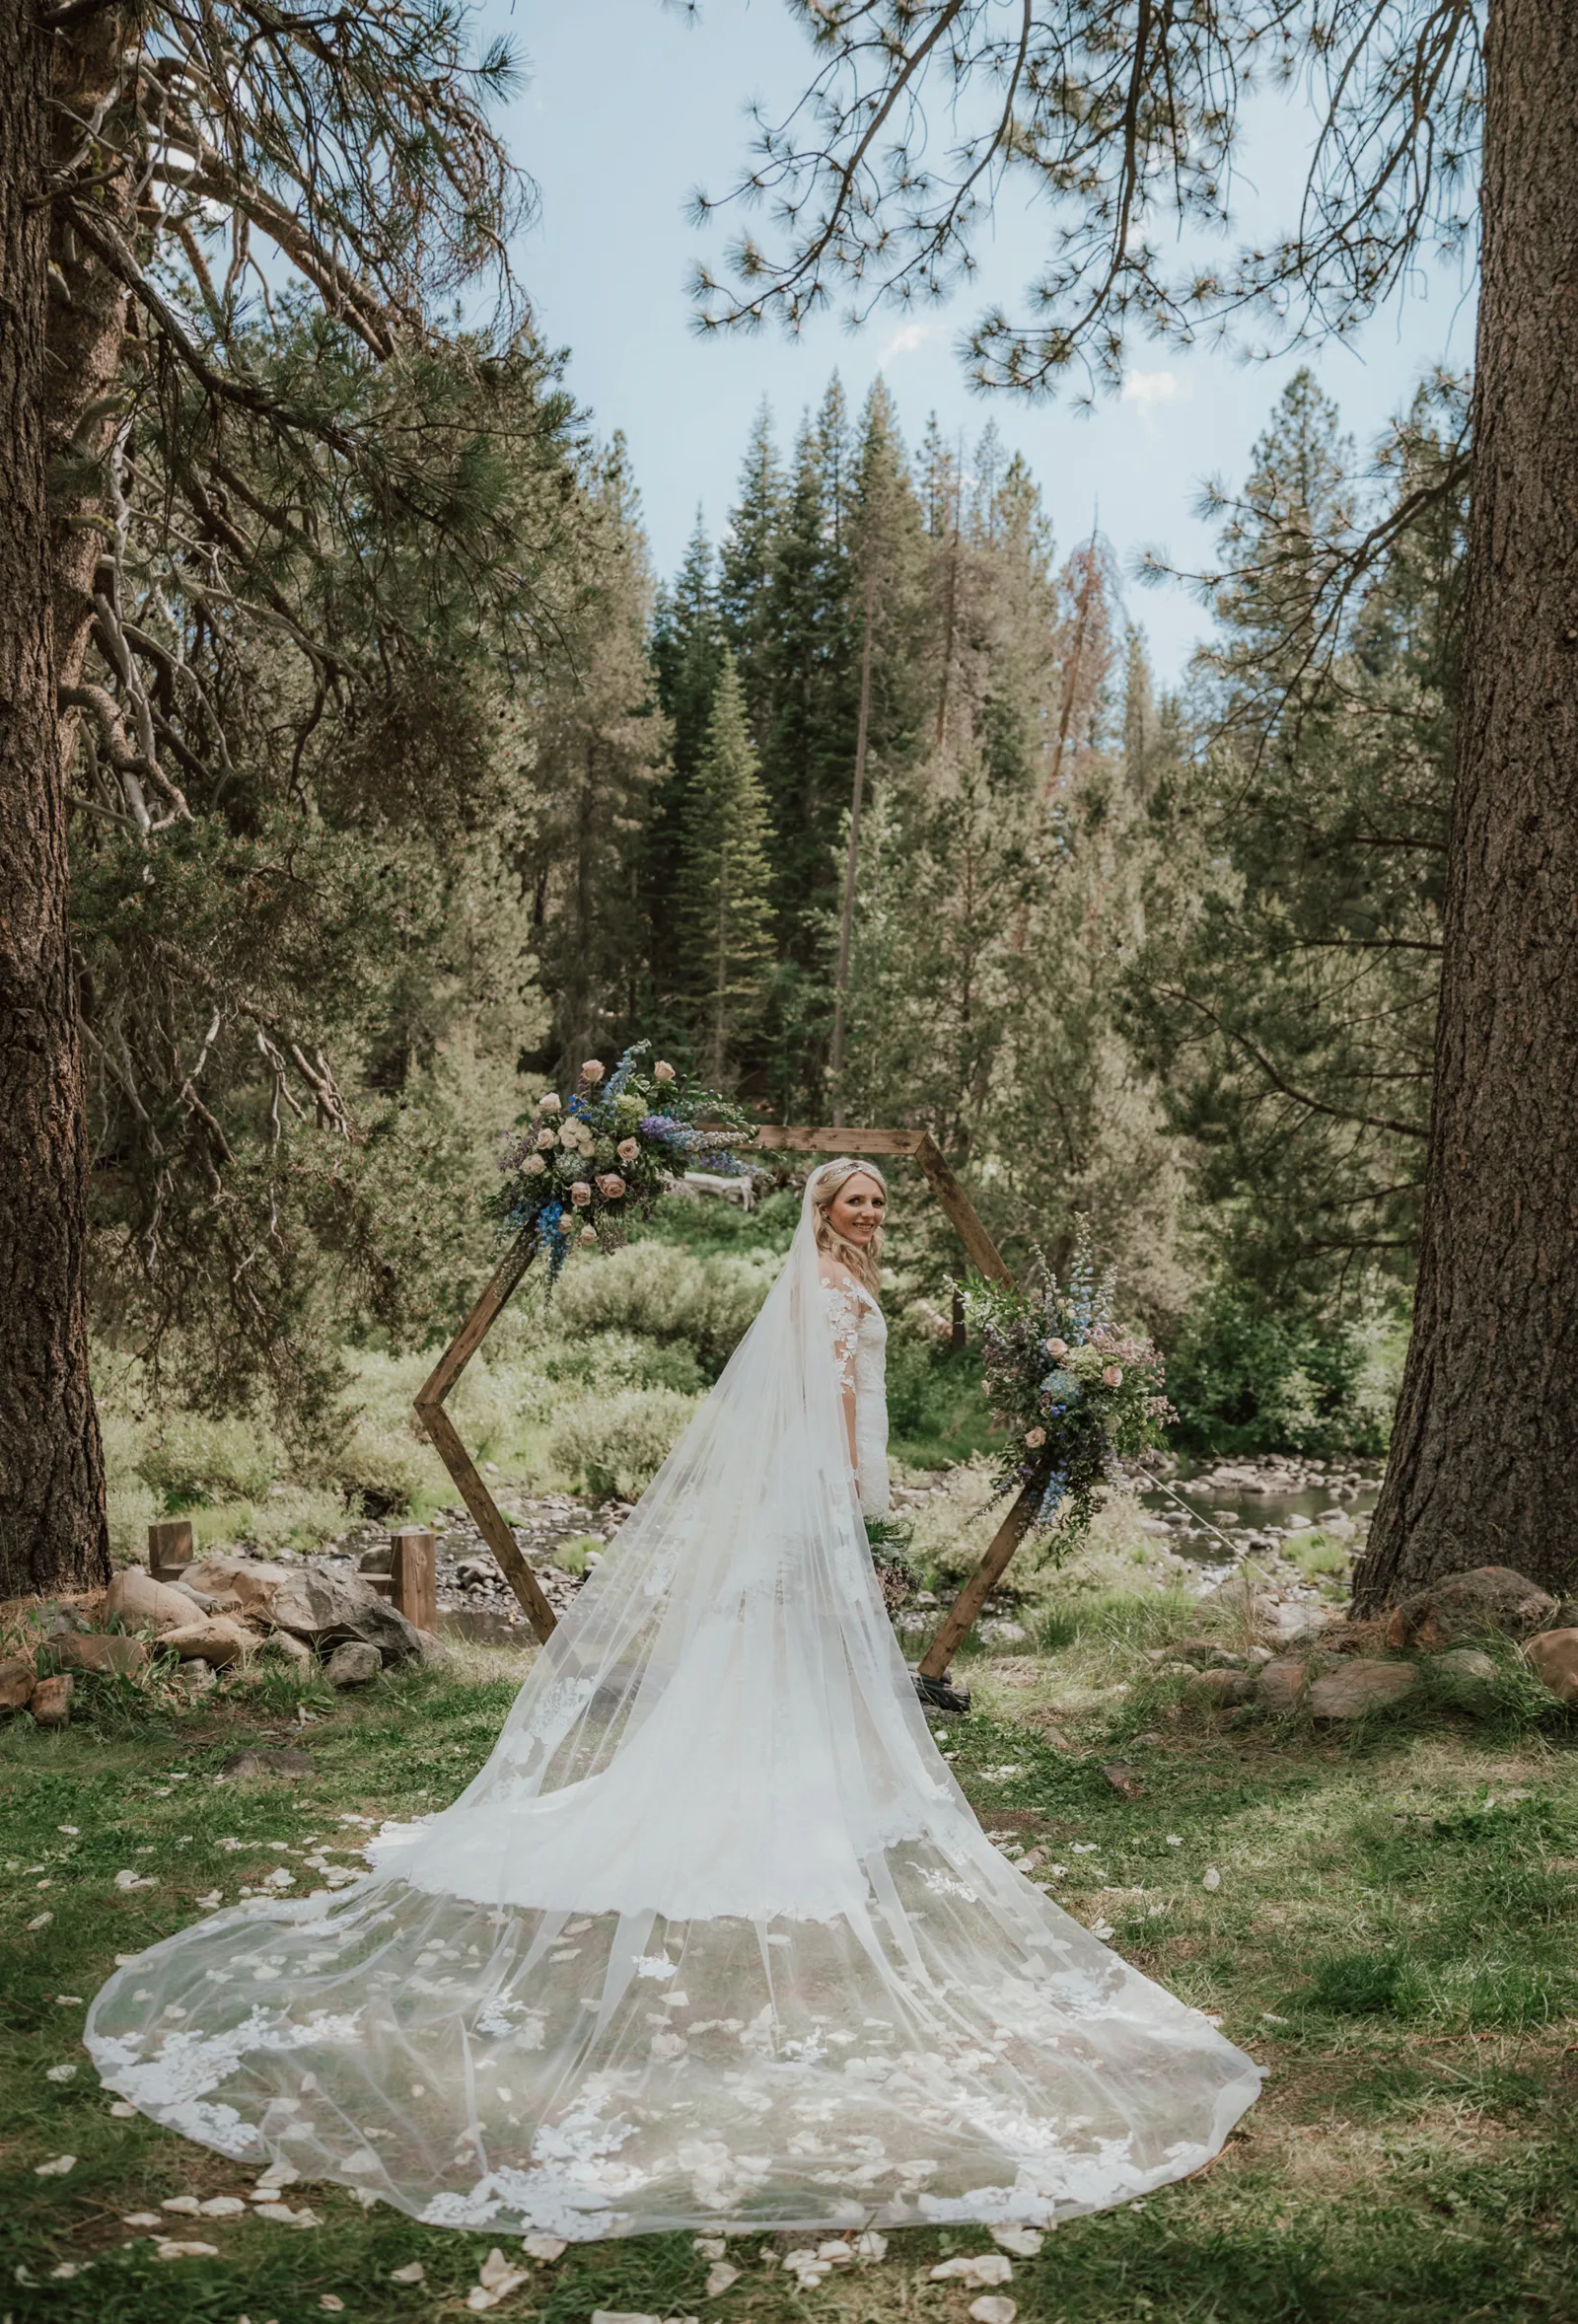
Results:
[857, 1209]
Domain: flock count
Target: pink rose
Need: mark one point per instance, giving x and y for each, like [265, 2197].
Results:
[611, 1186]
[589, 1234]
[591, 1070]
[534, 1166]
[628, 1149]
[580, 1193]
[549, 1104]
[663, 1071]
[546, 1139]
[1112, 1376]
[1057, 1350]
[1035, 1438]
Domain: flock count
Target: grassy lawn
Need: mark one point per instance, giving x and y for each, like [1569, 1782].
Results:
[1387, 1920]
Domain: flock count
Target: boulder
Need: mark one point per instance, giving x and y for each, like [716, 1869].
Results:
[326, 1609]
[1468, 1666]
[1553, 1658]
[218, 1640]
[1284, 1682]
[51, 1699]
[17, 1680]
[1220, 1689]
[104, 1656]
[263, 1762]
[282, 1645]
[1467, 1605]
[1359, 1688]
[139, 1602]
[1297, 1622]
[355, 1664]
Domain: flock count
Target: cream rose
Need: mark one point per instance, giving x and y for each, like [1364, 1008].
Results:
[589, 1234]
[549, 1104]
[546, 1139]
[611, 1186]
[534, 1166]
[1035, 1438]
[591, 1070]
[628, 1149]
[663, 1070]
[1111, 1376]
[1057, 1350]
[580, 1193]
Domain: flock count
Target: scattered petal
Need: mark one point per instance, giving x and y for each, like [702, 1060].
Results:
[124, 1880]
[840, 2251]
[719, 2278]
[871, 2246]
[38, 1920]
[188, 2205]
[976, 2268]
[710, 2247]
[123, 2109]
[1022, 2242]
[414, 2271]
[223, 2207]
[65, 2272]
[1210, 1877]
[56, 2168]
[187, 2251]
[68, 2001]
[61, 2073]
[333, 2303]
[1101, 1931]
[993, 2309]
[545, 2247]
[1174, 1839]
[143, 2219]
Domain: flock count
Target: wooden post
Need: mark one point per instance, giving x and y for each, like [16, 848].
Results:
[414, 1573]
[960, 1616]
[170, 1549]
[492, 1521]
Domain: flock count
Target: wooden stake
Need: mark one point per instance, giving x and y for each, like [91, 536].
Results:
[961, 1617]
[414, 1573]
[169, 1548]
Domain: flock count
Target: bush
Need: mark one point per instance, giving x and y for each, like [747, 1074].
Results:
[663, 1291]
[616, 1444]
[1246, 1380]
[193, 1459]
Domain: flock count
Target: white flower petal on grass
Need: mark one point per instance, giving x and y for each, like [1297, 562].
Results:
[496, 2280]
[122, 2109]
[223, 2207]
[720, 2275]
[61, 2073]
[333, 2304]
[414, 2271]
[71, 1830]
[68, 2001]
[710, 2247]
[547, 2247]
[188, 2204]
[56, 2168]
[871, 2246]
[1174, 1839]
[38, 1920]
[993, 2309]
[977, 2269]
[186, 2251]
[1210, 1877]
[1101, 1931]
[1022, 2242]
[142, 2218]
[124, 1880]
[66, 2270]
[840, 2251]
[211, 1902]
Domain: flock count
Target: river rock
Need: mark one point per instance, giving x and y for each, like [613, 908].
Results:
[262, 1761]
[327, 1608]
[1284, 1682]
[16, 1681]
[283, 1645]
[1359, 1688]
[135, 1599]
[355, 1664]
[1467, 1605]
[1221, 1688]
[51, 1699]
[218, 1641]
[1553, 1657]
[102, 1655]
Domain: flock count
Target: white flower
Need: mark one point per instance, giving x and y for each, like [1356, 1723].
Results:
[534, 1166]
[55, 2169]
[591, 1070]
[1022, 2242]
[549, 1104]
[993, 2307]
[1111, 1376]
[1057, 1350]
[663, 1070]
[580, 1193]
[628, 1149]
[546, 1138]
[587, 1234]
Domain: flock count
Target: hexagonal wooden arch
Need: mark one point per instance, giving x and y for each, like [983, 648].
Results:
[490, 1520]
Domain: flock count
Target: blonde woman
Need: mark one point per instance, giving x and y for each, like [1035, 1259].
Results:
[714, 1941]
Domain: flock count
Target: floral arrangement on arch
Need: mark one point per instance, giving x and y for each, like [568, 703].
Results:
[581, 1166]
[1074, 1394]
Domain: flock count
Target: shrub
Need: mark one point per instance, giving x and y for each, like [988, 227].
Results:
[664, 1292]
[193, 1459]
[1246, 1380]
[616, 1444]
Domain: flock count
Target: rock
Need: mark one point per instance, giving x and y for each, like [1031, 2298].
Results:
[58, 1618]
[135, 1599]
[1469, 1665]
[1284, 1684]
[17, 1680]
[325, 1608]
[1359, 1688]
[1220, 1688]
[195, 1677]
[355, 1664]
[263, 1762]
[283, 1645]
[1205, 1654]
[102, 1655]
[1124, 1780]
[1467, 1605]
[1553, 1658]
[1296, 1623]
[218, 1641]
[51, 1699]
[379, 1559]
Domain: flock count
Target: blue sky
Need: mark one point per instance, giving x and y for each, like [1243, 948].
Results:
[628, 105]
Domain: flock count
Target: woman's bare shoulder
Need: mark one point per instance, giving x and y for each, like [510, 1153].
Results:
[836, 1275]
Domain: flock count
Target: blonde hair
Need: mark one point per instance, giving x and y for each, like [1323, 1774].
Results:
[864, 1264]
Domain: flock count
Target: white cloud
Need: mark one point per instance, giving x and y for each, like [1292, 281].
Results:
[906, 340]
[1147, 389]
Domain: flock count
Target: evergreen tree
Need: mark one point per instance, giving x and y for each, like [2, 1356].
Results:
[745, 581]
[687, 651]
[723, 899]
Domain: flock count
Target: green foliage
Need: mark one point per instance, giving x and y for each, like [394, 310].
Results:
[1244, 1378]
[721, 893]
[669, 1294]
[616, 1444]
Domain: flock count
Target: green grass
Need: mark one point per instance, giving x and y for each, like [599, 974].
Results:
[1392, 1931]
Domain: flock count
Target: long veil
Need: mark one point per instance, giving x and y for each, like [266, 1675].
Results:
[713, 1936]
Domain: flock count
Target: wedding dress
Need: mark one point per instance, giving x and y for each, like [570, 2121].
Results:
[713, 1938]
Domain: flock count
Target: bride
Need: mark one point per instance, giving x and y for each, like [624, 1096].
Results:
[714, 1938]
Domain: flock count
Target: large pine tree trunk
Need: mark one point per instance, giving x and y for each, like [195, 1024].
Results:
[51, 1472]
[1484, 1463]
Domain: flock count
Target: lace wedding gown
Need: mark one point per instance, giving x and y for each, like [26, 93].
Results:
[714, 1938]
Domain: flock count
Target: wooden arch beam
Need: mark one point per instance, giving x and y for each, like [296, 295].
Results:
[489, 1518]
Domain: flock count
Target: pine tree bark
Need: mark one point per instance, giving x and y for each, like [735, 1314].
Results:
[1484, 1460]
[52, 1469]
